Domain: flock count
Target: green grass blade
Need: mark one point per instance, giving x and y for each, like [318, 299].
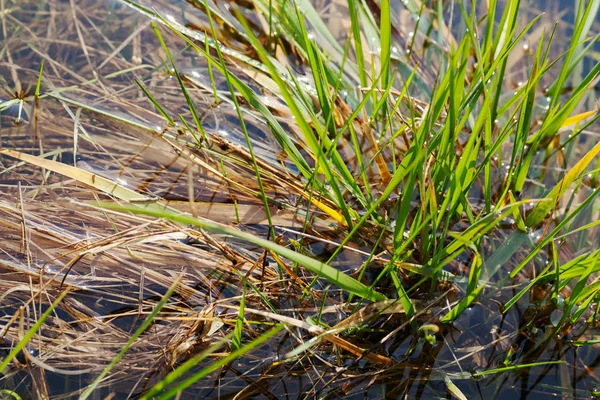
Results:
[180, 386]
[322, 270]
[385, 41]
[305, 128]
[156, 104]
[90, 389]
[38, 86]
[542, 209]
[188, 99]
[182, 369]
[32, 331]
[238, 110]
[516, 367]
[236, 340]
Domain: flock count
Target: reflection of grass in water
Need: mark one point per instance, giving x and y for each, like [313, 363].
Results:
[436, 167]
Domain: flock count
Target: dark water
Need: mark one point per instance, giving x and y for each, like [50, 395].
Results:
[115, 288]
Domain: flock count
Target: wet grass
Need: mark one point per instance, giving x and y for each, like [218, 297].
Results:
[279, 206]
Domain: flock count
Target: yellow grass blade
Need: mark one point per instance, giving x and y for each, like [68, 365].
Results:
[578, 118]
[94, 180]
[223, 213]
[542, 208]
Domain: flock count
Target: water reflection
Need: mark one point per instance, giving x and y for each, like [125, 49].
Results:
[92, 115]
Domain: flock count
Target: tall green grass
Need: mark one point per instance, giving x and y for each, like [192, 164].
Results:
[471, 123]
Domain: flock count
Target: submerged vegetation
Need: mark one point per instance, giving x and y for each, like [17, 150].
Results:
[293, 198]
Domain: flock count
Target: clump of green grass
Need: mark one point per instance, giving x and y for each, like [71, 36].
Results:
[437, 153]
[425, 165]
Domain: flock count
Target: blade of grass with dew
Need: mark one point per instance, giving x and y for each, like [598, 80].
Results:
[559, 114]
[188, 99]
[470, 237]
[280, 135]
[289, 27]
[32, 331]
[542, 209]
[413, 157]
[303, 125]
[322, 270]
[238, 109]
[307, 9]
[581, 291]
[322, 79]
[358, 45]
[497, 54]
[318, 74]
[538, 279]
[556, 120]
[90, 389]
[409, 165]
[508, 23]
[357, 147]
[505, 252]
[405, 60]
[522, 161]
[367, 131]
[525, 97]
[583, 16]
[574, 268]
[474, 288]
[582, 304]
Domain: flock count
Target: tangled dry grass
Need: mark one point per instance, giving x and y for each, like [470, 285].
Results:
[116, 267]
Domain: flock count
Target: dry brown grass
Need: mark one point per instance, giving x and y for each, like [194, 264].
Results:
[117, 266]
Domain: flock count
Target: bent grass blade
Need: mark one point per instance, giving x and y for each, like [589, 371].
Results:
[31, 332]
[322, 270]
[131, 340]
[174, 375]
[218, 364]
[542, 209]
[159, 210]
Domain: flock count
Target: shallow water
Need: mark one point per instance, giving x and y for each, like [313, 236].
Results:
[119, 268]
